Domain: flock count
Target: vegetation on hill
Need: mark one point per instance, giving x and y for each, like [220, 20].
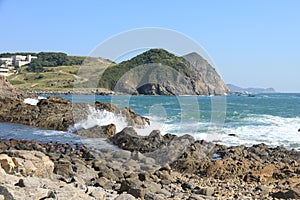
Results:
[53, 59]
[7, 55]
[190, 74]
[60, 78]
[112, 74]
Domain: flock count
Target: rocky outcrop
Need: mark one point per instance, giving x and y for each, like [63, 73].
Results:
[7, 90]
[60, 114]
[204, 78]
[128, 139]
[51, 113]
[97, 131]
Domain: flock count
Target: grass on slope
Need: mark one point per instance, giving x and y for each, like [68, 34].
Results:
[61, 78]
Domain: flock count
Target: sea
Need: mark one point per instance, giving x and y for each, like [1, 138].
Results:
[273, 119]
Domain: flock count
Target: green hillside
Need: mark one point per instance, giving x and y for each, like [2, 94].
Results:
[114, 73]
[60, 78]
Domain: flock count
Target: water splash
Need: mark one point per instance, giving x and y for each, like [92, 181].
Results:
[101, 118]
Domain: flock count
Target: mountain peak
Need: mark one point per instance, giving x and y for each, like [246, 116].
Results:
[187, 75]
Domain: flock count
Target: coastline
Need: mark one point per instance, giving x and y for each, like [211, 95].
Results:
[61, 171]
[139, 167]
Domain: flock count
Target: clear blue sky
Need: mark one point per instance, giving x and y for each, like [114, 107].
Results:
[254, 43]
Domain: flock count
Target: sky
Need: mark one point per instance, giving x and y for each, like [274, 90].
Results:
[253, 43]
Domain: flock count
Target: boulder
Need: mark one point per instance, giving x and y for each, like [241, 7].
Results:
[293, 193]
[98, 131]
[128, 139]
[7, 163]
[32, 163]
[125, 197]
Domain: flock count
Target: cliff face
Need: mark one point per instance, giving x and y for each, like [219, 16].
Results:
[158, 72]
[205, 79]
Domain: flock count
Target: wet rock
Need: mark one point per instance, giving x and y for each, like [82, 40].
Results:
[131, 117]
[98, 131]
[60, 114]
[51, 113]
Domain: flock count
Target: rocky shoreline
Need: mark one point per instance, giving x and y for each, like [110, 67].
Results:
[153, 167]
[31, 170]
[55, 113]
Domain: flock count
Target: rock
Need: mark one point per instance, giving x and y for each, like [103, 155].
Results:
[172, 149]
[64, 168]
[6, 193]
[131, 117]
[97, 193]
[32, 163]
[51, 113]
[103, 182]
[192, 157]
[9, 91]
[134, 187]
[289, 194]
[205, 191]
[125, 197]
[7, 163]
[128, 139]
[60, 114]
[98, 131]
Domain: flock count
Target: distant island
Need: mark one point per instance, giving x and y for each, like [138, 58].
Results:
[154, 72]
[237, 89]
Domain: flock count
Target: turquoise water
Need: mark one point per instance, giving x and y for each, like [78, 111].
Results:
[270, 118]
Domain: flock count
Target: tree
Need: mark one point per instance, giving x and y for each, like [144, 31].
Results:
[35, 66]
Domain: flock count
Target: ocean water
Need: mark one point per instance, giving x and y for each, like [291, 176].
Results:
[273, 119]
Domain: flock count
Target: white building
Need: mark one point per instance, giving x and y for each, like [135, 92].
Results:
[6, 61]
[17, 60]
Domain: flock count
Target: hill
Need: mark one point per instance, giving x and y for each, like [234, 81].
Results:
[238, 89]
[158, 72]
[59, 78]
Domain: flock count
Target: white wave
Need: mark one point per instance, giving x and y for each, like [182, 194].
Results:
[31, 101]
[272, 130]
[101, 118]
